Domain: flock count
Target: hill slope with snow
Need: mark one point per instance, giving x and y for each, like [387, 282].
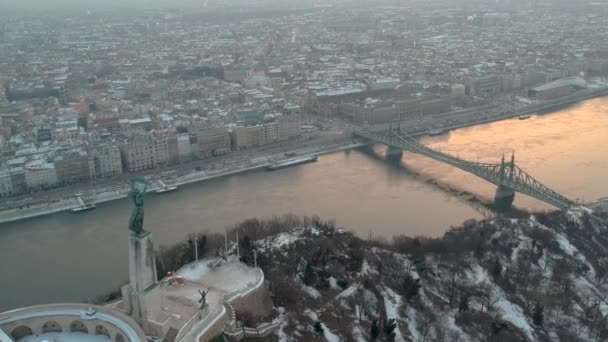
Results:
[542, 278]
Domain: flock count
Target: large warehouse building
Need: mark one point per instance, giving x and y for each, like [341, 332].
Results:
[558, 88]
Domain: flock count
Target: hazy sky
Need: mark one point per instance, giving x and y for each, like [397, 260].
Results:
[33, 4]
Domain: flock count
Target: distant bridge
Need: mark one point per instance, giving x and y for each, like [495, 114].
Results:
[509, 177]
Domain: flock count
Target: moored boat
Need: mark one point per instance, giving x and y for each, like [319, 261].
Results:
[524, 116]
[433, 132]
[291, 162]
[85, 207]
[166, 189]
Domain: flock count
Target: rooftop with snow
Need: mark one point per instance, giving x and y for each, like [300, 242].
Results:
[174, 302]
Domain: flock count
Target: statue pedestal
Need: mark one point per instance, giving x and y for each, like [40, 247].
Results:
[142, 273]
[142, 264]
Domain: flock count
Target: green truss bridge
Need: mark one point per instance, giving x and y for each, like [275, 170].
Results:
[506, 175]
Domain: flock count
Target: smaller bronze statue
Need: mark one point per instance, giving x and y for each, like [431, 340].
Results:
[136, 223]
[203, 300]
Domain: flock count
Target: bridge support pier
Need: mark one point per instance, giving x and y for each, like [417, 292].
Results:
[394, 154]
[504, 197]
[369, 148]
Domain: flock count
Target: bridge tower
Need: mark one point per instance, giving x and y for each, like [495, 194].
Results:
[505, 196]
[394, 154]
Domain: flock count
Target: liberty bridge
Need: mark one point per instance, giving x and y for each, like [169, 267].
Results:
[509, 177]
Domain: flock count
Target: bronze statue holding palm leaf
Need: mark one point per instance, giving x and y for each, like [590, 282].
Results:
[136, 223]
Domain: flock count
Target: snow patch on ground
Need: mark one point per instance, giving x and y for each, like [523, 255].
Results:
[349, 291]
[228, 276]
[564, 244]
[569, 249]
[314, 231]
[370, 300]
[333, 283]
[357, 334]
[366, 269]
[523, 242]
[283, 337]
[392, 302]
[330, 336]
[311, 291]
[450, 323]
[285, 239]
[513, 314]
[477, 274]
[542, 264]
[586, 289]
[410, 319]
[575, 214]
[313, 315]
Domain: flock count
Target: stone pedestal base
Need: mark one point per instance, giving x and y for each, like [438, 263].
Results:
[142, 274]
[142, 264]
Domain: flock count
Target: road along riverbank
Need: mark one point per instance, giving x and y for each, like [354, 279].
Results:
[122, 191]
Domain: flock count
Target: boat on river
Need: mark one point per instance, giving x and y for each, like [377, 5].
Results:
[291, 162]
[524, 116]
[434, 132]
[85, 207]
[82, 206]
[164, 188]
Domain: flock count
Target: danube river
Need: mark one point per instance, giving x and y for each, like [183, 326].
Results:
[72, 257]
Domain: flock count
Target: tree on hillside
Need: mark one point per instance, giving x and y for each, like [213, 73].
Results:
[537, 315]
[374, 331]
[452, 286]
[246, 251]
[318, 328]
[411, 287]
[496, 268]
[355, 253]
[463, 303]
[389, 330]
[309, 275]
[498, 326]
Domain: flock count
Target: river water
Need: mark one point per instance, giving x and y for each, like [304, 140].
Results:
[72, 257]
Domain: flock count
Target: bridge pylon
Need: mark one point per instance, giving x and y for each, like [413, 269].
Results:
[504, 195]
[394, 154]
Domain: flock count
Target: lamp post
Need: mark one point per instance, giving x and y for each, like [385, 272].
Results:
[196, 249]
[225, 244]
[238, 254]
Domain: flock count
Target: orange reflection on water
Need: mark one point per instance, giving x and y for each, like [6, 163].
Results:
[565, 150]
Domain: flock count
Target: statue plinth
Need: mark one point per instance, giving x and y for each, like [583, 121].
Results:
[142, 264]
[142, 274]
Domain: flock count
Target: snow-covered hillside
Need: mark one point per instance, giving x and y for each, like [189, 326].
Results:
[542, 278]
